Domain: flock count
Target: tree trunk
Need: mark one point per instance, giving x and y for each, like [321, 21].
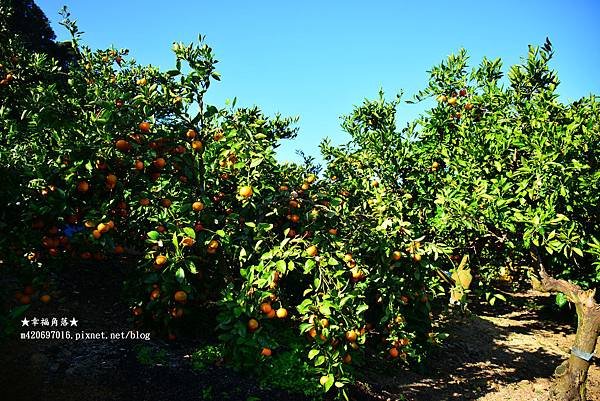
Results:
[571, 375]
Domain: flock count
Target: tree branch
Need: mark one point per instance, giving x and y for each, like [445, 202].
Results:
[573, 292]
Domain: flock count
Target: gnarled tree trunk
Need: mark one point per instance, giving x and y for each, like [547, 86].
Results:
[571, 375]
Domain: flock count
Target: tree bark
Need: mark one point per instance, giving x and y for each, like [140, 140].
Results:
[571, 375]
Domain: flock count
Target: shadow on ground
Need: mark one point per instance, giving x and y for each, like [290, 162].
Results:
[483, 353]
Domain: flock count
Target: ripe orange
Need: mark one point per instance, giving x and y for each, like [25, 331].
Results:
[83, 186]
[155, 294]
[452, 101]
[159, 163]
[417, 257]
[144, 201]
[160, 260]
[214, 244]
[111, 179]
[305, 186]
[103, 228]
[393, 352]
[180, 296]
[396, 255]
[137, 311]
[191, 134]
[266, 308]
[442, 98]
[246, 191]
[435, 166]
[333, 231]
[404, 341]
[266, 352]
[197, 145]
[217, 136]
[347, 257]
[357, 274]
[119, 249]
[188, 241]
[295, 218]
[347, 359]
[25, 300]
[351, 336]
[281, 313]
[284, 188]
[28, 290]
[166, 202]
[96, 234]
[177, 312]
[145, 126]
[197, 206]
[123, 145]
[252, 325]
[271, 314]
[45, 298]
[469, 106]
[312, 250]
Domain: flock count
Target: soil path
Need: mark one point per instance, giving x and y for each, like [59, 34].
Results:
[497, 354]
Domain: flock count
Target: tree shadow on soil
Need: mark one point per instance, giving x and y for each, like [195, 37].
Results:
[479, 356]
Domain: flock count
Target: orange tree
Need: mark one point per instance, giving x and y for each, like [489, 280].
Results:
[504, 174]
[344, 281]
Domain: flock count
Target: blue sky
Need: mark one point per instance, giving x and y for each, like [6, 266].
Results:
[316, 59]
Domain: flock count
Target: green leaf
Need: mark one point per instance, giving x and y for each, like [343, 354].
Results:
[320, 360]
[324, 310]
[312, 353]
[192, 267]
[361, 308]
[180, 275]
[561, 299]
[309, 265]
[154, 235]
[280, 266]
[18, 311]
[189, 232]
[330, 381]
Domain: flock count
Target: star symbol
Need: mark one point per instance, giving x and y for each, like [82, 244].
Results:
[24, 322]
[74, 322]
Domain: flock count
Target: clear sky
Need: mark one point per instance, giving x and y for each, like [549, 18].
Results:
[316, 59]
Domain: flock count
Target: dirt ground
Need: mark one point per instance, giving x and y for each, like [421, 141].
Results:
[503, 353]
[497, 354]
